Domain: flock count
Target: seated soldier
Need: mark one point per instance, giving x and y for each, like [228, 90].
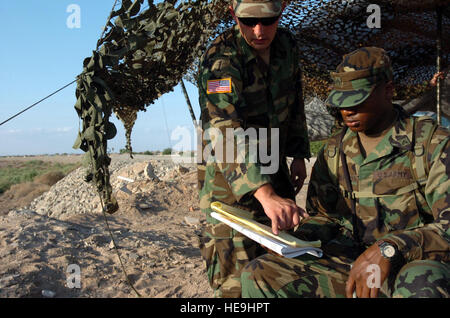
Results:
[378, 198]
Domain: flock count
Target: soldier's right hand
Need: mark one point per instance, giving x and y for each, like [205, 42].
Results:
[283, 213]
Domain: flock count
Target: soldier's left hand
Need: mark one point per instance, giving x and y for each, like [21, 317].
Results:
[362, 277]
[298, 174]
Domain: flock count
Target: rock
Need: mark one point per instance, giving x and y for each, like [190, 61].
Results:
[52, 237]
[139, 168]
[124, 189]
[48, 293]
[149, 172]
[8, 281]
[144, 206]
[183, 170]
[22, 213]
[134, 256]
[191, 220]
[98, 240]
[14, 245]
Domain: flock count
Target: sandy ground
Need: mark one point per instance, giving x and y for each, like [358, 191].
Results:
[72, 255]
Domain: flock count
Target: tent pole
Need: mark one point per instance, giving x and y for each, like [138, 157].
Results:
[194, 120]
[438, 62]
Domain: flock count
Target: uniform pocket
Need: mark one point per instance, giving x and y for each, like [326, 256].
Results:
[225, 253]
[397, 200]
[215, 247]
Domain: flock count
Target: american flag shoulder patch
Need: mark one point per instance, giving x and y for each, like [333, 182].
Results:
[222, 85]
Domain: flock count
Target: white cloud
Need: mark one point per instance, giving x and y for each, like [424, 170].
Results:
[13, 131]
[37, 130]
[62, 129]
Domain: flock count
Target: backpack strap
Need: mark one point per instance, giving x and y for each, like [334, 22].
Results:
[331, 153]
[418, 156]
[348, 183]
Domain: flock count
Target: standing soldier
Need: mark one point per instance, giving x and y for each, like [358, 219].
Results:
[250, 78]
[378, 199]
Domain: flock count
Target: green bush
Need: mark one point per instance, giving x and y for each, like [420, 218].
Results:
[150, 153]
[167, 151]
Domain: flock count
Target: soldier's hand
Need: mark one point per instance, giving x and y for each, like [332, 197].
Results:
[368, 274]
[298, 174]
[283, 213]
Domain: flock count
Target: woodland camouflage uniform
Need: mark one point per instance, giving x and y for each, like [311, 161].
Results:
[261, 96]
[392, 203]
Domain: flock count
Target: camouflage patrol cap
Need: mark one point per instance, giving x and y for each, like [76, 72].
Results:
[358, 75]
[256, 8]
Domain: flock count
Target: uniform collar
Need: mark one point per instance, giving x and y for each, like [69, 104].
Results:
[399, 136]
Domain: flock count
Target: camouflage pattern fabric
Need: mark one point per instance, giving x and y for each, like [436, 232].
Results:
[256, 8]
[390, 205]
[358, 75]
[261, 96]
[271, 276]
[226, 252]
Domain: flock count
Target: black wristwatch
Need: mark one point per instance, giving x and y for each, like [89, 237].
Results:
[388, 250]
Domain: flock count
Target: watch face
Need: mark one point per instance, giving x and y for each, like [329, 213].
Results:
[389, 251]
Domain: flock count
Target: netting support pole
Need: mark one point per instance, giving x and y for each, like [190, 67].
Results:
[188, 101]
[438, 62]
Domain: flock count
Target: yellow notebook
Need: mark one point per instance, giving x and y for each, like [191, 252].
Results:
[244, 219]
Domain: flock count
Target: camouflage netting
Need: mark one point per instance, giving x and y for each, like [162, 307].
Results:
[148, 48]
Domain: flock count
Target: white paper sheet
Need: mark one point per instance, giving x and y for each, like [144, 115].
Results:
[276, 246]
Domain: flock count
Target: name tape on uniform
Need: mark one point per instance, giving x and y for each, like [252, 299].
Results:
[222, 85]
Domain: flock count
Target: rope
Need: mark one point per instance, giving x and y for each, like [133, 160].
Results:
[4, 122]
[112, 238]
[117, 250]
[188, 101]
[106, 25]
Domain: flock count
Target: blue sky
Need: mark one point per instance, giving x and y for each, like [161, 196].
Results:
[41, 54]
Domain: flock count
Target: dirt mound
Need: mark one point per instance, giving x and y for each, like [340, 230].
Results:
[49, 178]
[155, 231]
[23, 194]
